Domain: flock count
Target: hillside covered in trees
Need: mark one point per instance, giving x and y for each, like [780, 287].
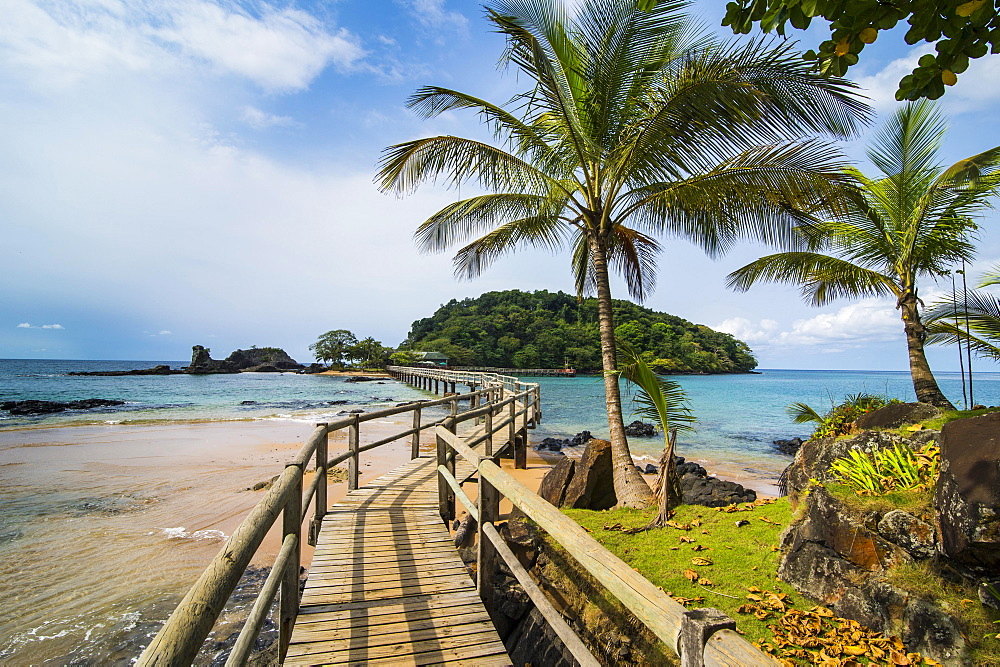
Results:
[515, 329]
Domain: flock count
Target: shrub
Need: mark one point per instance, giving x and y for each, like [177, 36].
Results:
[840, 419]
[899, 468]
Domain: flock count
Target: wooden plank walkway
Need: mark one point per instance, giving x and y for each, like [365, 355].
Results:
[387, 586]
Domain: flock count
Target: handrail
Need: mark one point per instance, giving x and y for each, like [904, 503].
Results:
[666, 618]
[181, 637]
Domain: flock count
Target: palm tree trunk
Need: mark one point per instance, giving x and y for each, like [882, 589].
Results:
[630, 488]
[924, 384]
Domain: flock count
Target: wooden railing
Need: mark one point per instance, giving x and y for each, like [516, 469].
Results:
[699, 636]
[181, 637]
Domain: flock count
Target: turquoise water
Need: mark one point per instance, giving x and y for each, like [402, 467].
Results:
[738, 415]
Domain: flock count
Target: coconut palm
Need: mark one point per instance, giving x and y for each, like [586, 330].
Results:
[976, 322]
[635, 126]
[911, 222]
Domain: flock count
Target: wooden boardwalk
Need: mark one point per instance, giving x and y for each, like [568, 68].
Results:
[387, 586]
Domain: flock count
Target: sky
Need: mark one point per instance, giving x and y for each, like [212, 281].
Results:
[181, 172]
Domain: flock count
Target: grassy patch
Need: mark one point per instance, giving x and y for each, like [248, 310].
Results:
[742, 557]
[919, 502]
[924, 580]
[950, 416]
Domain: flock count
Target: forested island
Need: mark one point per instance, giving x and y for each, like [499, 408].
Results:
[542, 329]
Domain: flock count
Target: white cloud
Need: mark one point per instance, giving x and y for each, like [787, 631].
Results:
[28, 325]
[280, 49]
[742, 328]
[165, 333]
[977, 87]
[432, 14]
[57, 44]
[261, 120]
[854, 325]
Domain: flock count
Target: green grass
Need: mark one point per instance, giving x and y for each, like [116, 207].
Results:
[949, 416]
[743, 557]
[919, 502]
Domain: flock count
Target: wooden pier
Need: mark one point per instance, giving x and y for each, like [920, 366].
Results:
[386, 584]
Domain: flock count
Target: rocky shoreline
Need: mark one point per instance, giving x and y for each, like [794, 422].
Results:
[254, 360]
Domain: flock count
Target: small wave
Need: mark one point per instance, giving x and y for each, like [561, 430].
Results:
[179, 533]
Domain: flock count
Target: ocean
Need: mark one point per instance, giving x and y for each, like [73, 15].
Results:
[108, 515]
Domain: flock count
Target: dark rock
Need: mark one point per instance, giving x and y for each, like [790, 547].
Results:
[34, 407]
[650, 469]
[248, 402]
[790, 447]
[341, 402]
[314, 368]
[553, 486]
[967, 495]
[592, 486]
[907, 531]
[989, 593]
[161, 369]
[362, 378]
[262, 368]
[640, 429]
[533, 642]
[895, 415]
[713, 492]
[355, 411]
[550, 444]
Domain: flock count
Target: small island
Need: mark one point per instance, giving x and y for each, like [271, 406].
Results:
[254, 360]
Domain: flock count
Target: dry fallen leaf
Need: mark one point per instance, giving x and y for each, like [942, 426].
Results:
[685, 539]
[699, 547]
[705, 582]
[700, 560]
[691, 575]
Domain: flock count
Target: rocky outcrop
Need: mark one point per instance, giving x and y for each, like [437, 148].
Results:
[160, 369]
[555, 444]
[588, 483]
[33, 407]
[967, 496]
[638, 429]
[895, 415]
[790, 447]
[841, 557]
[254, 360]
[699, 488]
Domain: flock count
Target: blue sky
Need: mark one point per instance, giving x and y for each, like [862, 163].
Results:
[200, 172]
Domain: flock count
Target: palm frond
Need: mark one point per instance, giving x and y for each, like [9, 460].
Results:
[802, 414]
[541, 231]
[821, 278]
[657, 398]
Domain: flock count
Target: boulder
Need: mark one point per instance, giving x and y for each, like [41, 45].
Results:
[713, 492]
[592, 485]
[895, 415]
[790, 447]
[553, 486]
[909, 532]
[967, 495]
[638, 429]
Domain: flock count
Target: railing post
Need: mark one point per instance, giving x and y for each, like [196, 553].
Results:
[697, 627]
[488, 503]
[489, 432]
[415, 440]
[288, 605]
[353, 437]
[446, 497]
[319, 511]
[512, 426]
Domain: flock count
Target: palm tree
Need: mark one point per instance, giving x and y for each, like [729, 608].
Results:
[912, 221]
[946, 325]
[635, 126]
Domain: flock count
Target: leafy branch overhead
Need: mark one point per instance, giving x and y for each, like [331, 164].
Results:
[960, 31]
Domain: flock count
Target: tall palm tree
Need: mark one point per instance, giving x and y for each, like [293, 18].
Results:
[912, 221]
[946, 324]
[635, 125]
